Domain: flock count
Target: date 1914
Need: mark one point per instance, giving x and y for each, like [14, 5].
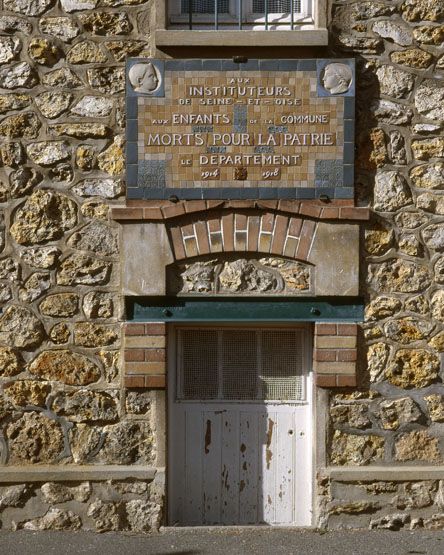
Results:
[214, 174]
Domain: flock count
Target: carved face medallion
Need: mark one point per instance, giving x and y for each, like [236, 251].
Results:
[337, 78]
[144, 78]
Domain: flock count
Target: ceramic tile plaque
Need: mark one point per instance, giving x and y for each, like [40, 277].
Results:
[215, 129]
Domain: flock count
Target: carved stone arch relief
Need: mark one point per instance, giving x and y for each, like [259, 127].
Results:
[247, 275]
[240, 242]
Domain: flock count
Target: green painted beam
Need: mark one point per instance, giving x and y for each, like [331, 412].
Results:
[219, 309]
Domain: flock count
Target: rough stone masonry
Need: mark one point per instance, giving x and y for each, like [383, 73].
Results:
[62, 401]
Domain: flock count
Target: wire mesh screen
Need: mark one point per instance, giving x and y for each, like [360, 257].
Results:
[205, 6]
[282, 360]
[239, 364]
[199, 364]
[248, 364]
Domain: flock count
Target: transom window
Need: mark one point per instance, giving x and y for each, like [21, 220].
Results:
[241, 14]
[255, 364]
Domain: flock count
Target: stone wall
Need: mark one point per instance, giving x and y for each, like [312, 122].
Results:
[63, 402]
[396, 419]
[384, 504]
[62, 157]
[102, 506]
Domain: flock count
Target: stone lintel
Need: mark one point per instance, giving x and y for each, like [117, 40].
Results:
[49, 473]
[389, 473]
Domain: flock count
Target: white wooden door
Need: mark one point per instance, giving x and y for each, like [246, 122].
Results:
[240, 441]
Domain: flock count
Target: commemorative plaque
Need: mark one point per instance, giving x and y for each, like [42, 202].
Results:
[216, 129]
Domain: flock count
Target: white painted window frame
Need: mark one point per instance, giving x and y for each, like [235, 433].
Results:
[304, 34]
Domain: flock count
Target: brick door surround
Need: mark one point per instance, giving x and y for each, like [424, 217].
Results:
[164, 234]
[334, 354]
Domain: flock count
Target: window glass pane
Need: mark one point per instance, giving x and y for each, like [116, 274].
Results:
[205, 6]
[276, 6]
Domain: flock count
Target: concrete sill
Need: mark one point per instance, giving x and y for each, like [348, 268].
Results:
[316, 37]
[390, 473]
[49, 473]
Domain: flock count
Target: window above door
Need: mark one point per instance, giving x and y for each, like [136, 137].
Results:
[247, 364]
[241, 23]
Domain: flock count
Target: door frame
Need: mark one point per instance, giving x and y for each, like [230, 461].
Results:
[310, 392]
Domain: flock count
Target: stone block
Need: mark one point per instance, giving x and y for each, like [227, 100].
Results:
[146, 252]
[146, 342]
[335, 367]
[335, 342]
[335, 252]
[137, 368]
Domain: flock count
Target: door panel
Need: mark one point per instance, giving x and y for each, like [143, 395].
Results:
[248, 468]
[239, 462]
[212, 464]
[284, 456]
[230, 482]
[191, 496]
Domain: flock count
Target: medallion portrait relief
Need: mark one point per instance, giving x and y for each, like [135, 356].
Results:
[337, 78]
[144, 78]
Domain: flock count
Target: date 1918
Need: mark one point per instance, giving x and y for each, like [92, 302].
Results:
[271, 173]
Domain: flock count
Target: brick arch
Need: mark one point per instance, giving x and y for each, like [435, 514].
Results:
[262, 232]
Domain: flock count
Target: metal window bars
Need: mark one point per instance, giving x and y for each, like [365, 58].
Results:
[245, 13]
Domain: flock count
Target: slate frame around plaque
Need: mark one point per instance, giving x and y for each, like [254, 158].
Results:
[143, 184]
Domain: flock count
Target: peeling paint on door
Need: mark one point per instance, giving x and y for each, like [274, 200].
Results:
[252, 470]
[240, 462]
[269, 453]
[208, 437]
